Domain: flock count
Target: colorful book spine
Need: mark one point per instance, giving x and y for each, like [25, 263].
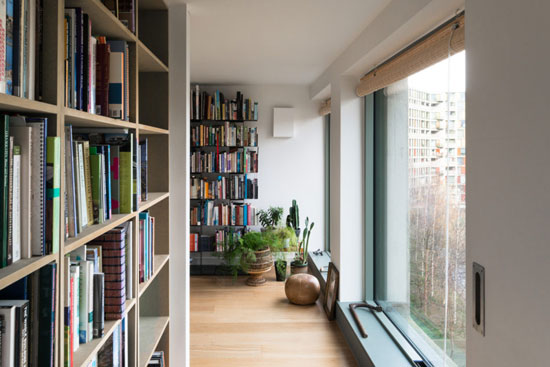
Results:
[99, 300]
[9, 47]
[116, 85]
[53, 183]
[16, 204]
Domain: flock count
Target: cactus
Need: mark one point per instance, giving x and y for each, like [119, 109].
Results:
[293, 218]
[304, 244]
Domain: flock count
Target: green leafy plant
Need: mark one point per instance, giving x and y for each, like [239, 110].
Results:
[303, 246]
[240, 253]
[271, 217]
[293, 217]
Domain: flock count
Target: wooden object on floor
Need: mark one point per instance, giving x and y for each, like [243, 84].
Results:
[302, 289]
[263, 264]
[233, 325]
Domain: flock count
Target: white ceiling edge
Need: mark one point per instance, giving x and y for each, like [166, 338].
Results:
[398, 25]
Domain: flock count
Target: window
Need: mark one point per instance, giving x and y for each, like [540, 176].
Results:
[419, 210]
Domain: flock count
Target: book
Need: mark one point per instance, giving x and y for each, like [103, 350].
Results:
[88, 181]
[85, 299]
[67, 316]
[9, 47]
[46, 344]
[102, 76]
[116, 84]
[129, 259]
[23, 137]
[10, 202]
[99, 300]
[16, 204]
[70, 183]
[144, 169]
[53, 184]
[97, 198]
[115, 179]
[75, 306]
[21, 330]
[4, 176]
[38, 185]
[8, 336]
[126, 14]
[3, 30]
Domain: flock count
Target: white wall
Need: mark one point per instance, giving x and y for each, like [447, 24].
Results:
[289, 168]
[179, 184]
[508, 189]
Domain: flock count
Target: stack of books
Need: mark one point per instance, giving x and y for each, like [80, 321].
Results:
[27, 315]
[97, 70]
[96, 287]
[224, 136]
[223, 215]
[106, 173]
[146, 246]
[237, 160]
[125, 10]
[217, 107]
[21, 45]
[30, 181]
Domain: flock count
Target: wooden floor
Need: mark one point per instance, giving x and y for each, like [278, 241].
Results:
[233, 324]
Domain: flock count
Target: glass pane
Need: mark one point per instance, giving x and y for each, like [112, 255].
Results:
[420, 206]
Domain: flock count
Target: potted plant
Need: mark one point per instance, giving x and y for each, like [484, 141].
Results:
[271, 217]
[286, 241]
[299, 265]
[293, 218]
[251, 254]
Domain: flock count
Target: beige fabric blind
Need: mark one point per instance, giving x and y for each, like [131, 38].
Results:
[325, 108]
[421, 54]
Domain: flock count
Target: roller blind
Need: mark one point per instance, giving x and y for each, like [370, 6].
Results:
[425, 52]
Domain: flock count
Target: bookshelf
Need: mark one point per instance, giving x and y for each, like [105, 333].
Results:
[147, 314]
[217, 136]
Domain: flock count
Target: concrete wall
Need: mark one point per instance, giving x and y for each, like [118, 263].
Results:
[508, 196]
[289, 168]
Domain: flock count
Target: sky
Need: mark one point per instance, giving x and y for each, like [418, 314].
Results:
[434, 78]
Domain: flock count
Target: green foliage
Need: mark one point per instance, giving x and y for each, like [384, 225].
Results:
[293, 217]
[271, 217]
[240, 253]
[301, 256]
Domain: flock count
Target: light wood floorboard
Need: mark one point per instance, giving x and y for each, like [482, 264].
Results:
[233, 324]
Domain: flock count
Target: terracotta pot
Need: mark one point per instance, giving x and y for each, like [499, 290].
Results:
[257, 269]
[302, 289]
[298, 268]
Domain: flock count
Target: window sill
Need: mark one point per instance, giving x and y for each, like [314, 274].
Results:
[385, 346]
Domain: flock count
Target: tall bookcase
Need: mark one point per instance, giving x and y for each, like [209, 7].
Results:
[209, 262]
[148, 312]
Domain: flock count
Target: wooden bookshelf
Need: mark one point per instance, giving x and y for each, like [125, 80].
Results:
[148, 86]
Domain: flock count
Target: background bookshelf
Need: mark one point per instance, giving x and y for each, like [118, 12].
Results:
[218, 127]
[147, 314]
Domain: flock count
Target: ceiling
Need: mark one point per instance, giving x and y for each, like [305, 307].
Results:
[272, 41]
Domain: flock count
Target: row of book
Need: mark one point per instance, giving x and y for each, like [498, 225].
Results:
[232, 214]
[27, 319]
[30, 181]
[224, 136]
[105, 174]
[237, 187]
[202, 242]
[96, 287]
[124, 10]
[21, 42]
[216, 107]
[146, 246]
[237, 160]
[114, 353]
[157, 360]
[97, 70]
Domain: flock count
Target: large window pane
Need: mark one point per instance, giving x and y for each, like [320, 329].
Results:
[420, 161]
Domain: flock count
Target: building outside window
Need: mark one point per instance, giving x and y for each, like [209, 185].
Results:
[419, 209]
